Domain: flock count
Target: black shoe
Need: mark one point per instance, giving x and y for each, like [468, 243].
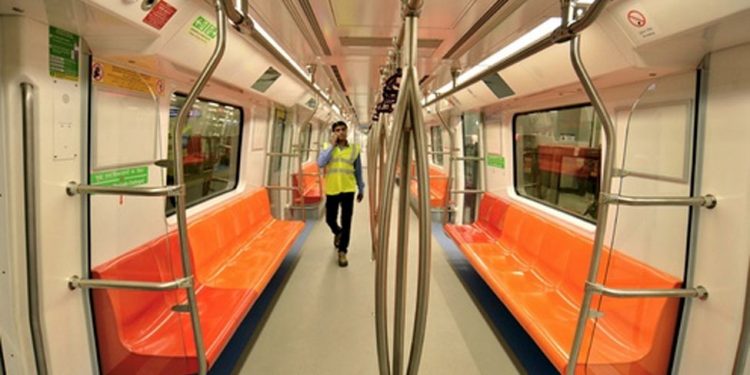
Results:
[337, 240]
[342, 259]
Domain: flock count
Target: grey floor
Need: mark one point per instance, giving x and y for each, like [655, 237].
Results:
[323, 321]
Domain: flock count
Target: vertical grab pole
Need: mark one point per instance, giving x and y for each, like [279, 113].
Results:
[408, 120]
[32, 256]
[451, 171]
[420, 151]
[603, 208]
[180, 179]
[381, 265]
[402, 244]
[373, 170]
[301, 149]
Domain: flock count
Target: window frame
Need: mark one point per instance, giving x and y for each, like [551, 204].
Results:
[236, 183]
[543, 202]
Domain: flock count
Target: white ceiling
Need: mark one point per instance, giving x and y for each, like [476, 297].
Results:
[358, 34]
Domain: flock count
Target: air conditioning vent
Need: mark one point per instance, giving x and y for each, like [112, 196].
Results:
[498, 86]
[266, 80]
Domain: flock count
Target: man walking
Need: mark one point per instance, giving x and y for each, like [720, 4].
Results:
[343, 177]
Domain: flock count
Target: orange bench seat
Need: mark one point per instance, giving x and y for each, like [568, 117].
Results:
[312, 186]
[538, 269]
[235, 251]
[438, 186]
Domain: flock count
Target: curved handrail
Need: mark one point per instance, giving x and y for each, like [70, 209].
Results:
[374, 168]
[451, 170]
[409, 122]
[602, 209]
[301, 150]
[179, 178]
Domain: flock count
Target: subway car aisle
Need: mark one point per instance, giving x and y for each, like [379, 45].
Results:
[323, 320]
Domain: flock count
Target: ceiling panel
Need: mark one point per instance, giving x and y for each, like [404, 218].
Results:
[359, 34]
[283, 20]
[441, 14]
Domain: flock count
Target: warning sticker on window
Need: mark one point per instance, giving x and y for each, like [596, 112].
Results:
[159, 15]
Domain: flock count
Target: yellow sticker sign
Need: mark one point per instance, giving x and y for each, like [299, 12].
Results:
[111, 75]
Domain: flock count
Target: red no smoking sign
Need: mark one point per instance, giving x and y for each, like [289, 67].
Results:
[636, 18]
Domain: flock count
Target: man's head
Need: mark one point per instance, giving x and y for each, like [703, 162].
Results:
[339, 129]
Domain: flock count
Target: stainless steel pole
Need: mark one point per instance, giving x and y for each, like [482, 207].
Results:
[203, 78]
[381, 266]
[603, 208]
[32, 246]
[451, 170]
[423, 183]
[301, 150]
[402, 247]
[585, 21]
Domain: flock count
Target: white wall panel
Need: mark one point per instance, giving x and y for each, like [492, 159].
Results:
[723, 246]
[59, 216]
[123, 131]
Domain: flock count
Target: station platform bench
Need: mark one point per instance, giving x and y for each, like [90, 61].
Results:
[235, 250]
[538, 268]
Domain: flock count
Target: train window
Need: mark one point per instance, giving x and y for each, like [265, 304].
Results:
[557, 157]
[437, 144]
[210, 148]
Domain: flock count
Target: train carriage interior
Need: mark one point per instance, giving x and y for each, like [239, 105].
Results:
[526, 187]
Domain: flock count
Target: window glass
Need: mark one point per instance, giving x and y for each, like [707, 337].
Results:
[557, 156]
[210, 148]
[436, 133]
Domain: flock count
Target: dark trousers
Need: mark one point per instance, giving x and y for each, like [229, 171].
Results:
[346, 201]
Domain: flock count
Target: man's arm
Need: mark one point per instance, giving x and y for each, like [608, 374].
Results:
[325, 157]
[358, 175]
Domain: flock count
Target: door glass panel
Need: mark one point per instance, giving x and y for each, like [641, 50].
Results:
[129, 236]
[472, 132]
[648, 243]
[280, 141]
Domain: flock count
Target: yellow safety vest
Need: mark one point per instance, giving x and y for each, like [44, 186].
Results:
[340, 170]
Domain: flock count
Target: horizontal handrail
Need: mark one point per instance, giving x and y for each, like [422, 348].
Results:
[281, 188]
[470, 158]
[709, 201]
[74, 188]
[442, 209]
[284, 154]
[467, 191]
[562, 34]
[75, 282]
[699, 292]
